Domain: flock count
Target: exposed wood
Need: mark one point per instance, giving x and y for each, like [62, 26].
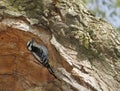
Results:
[84, 51]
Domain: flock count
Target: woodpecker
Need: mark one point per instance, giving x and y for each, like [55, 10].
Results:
[40, 52]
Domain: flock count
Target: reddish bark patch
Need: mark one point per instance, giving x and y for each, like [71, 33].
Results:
[18, 69]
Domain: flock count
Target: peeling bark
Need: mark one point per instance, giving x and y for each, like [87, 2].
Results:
[83, 50]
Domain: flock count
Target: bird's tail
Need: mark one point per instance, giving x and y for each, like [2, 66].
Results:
[51, 71]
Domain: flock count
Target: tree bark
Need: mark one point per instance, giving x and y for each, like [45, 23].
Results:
[83, 50]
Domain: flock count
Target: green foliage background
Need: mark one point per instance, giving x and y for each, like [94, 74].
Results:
[106, 9]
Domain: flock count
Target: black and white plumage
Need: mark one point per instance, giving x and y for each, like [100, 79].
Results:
[40, 52]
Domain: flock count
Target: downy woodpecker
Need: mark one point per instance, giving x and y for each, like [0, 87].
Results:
[40, 52]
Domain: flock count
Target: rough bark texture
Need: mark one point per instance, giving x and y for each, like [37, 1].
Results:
[84, 51]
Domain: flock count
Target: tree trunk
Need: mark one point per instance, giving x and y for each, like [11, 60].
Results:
[84, 51]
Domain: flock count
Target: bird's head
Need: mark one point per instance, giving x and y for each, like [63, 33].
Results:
[30, 44]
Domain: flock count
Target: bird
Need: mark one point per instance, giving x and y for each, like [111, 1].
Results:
[40, 52]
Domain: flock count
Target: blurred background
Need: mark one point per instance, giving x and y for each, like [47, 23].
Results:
[107, 9]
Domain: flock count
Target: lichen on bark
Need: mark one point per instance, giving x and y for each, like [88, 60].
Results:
[88, 47]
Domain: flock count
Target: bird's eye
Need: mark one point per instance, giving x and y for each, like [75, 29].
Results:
[29, 43]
